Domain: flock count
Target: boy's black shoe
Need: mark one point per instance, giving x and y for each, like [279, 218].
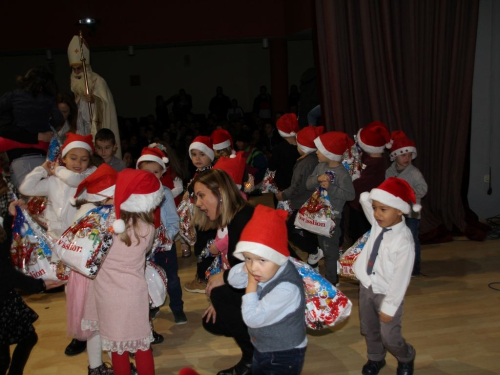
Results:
[75, 347]
[180, 317]
[241, 368]
[373, 367]
[405, 368]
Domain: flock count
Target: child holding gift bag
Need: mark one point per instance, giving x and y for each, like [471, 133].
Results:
[331, 146]
[119, 309]
[58, 184]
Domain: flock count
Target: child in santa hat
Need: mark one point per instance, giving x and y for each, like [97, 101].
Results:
[297, 192]
[202, 156]
[120, 308]
[154, 160]
[222, 143]
[373, 139]
[97, 189]
[384, 271]
[284, 154]
[330, 148]
[59, 183]
[403, 151]
[273, 304]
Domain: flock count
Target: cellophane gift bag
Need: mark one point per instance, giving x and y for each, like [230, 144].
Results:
[269, 186]
[325, 304]
[84, 245]
[351, 160]
[162, 241]
[316, 215]
[36, 207]
[156, 278]
[348, 258]
[31, 249]
[186, 227]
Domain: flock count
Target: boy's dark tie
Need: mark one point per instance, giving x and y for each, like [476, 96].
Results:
[376, 246]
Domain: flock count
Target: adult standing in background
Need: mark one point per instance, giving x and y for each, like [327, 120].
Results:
[100, 98]
[220, 104]
[262, 104]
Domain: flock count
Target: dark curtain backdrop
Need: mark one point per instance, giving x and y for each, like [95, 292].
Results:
[410, 65]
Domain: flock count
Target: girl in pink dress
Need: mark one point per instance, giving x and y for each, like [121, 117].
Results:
[117, 302]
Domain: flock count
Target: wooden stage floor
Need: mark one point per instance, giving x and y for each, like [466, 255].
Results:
[451, 317]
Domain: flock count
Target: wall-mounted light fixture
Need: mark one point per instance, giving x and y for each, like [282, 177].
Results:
[48, 54]
[265, 43]
[131, 51]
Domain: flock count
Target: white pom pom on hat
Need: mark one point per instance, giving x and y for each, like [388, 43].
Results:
[153, 154]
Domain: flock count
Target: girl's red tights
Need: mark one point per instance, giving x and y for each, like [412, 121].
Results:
[143, 360]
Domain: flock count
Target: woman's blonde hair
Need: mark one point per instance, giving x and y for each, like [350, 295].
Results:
[228, 197]
[131, 220]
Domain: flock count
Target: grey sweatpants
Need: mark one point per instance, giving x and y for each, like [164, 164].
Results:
[382, 337]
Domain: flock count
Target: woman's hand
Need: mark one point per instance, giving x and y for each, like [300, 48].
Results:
[213, 249]
[210, 314]
[214, 281]
[51, 284]
[12, 206]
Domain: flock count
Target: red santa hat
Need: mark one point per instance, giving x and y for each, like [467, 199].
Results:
[135, 191]
[374, 138]
[394, 192]
[204, 144]
[333, 144]
[221, 139]
[234, 166]
[153, 154]
[98, 186]
[265, 235]
[401, 144]
[306, 137]
[288, 125]
[77, 141]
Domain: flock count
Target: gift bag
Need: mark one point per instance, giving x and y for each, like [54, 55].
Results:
[54, 151]
[84, 246]
[268, 183]
[285, 206]
[36, 207]
[162, 241]
[316, 215]
[31, 249]
[325, 304]
[348, 258]
[156, 279]
[351, 160]
[186, 227]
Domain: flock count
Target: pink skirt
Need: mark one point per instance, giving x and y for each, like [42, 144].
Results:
[76, 290]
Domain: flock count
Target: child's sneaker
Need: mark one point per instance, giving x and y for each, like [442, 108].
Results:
[313, 259]
[158, 339]
[180, 317]
[195, 286]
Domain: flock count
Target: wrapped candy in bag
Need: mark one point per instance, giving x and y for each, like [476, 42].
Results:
[348, 258]
[31, 249]
[162, 241]
[54, 151]
[285, 206]
[84, 246]
[186, 228]
[325, 304]
[156, 279]
[316, 215]
[36, 207]
[268, 183]
[351, 160]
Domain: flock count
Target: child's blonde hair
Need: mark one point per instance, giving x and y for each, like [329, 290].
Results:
[223, 152]
[131, 220]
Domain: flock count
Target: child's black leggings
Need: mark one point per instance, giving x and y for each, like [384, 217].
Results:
[19, 357]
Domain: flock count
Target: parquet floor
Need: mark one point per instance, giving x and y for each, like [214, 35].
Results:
[451, 317]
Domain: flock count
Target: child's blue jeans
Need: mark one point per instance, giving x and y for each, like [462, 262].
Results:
[168, 261]
[285, 362]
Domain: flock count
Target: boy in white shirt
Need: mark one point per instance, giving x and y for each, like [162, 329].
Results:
[384, 270]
